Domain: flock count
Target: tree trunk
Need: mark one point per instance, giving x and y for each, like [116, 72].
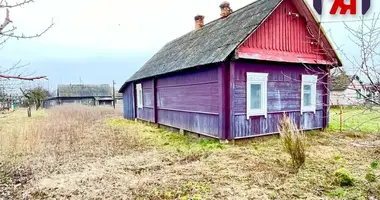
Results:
[29, 111]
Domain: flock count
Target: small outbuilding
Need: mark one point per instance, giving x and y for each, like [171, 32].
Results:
[85, 94]
[347, 91]
[234, 77]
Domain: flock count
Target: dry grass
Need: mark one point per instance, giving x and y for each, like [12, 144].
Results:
[91, 153]
[293, 140]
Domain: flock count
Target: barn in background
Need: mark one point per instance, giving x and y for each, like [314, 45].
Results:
[234, 77]
[84, 94]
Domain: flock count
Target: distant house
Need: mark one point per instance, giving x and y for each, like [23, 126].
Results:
[347, 91]
[93, 95]
[234, 77]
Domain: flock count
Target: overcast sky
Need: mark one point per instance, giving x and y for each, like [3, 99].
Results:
[97, 41]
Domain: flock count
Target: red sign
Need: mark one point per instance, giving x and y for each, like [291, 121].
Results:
[343, 6]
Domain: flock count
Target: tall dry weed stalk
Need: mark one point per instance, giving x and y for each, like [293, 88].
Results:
[293, 140]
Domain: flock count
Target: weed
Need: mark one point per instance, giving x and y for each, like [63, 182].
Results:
[211, 144]
[370, 175]
[293, 140]
[374, 165]
[273, 195]
[343, 177]
[339, 192]
[338, 157]
[313, 133]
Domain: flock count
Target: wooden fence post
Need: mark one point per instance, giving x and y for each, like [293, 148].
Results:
[341, 119]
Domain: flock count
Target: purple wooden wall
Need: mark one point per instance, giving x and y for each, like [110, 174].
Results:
[190, 101]
[128, 102]
[146, 113]
[284, 95]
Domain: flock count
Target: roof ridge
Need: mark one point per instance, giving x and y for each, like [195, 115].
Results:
[237, 10]
[215, 20]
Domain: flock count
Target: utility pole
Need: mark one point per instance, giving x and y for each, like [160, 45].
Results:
[113, 94]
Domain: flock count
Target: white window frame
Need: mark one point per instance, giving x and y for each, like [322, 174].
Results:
[139, 96]
[262, 79]
[312, 81]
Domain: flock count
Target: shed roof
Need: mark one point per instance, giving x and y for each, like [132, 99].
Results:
[82, 90]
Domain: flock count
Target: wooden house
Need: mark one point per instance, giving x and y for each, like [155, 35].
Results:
[349, 90]
[234, 77]
[84, 94]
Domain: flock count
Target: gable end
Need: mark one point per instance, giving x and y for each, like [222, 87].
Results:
[289, 35]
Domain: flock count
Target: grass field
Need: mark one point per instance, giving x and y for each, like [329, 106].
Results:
[91, 153]
[355, 120]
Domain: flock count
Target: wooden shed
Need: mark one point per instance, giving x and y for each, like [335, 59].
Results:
[85, 94]
[234, 77]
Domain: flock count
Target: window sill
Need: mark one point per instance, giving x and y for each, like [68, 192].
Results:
[256, 114]
[308, 111]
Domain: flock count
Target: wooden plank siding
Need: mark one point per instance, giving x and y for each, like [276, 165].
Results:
[147, 112]
[284, 95]
[285, 38]
[190, 101]
[129, 102]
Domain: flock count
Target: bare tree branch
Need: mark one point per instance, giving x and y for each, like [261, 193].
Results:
[19, 4]
[23, 78]
[7, 32]
[23, 36]
[6, 21]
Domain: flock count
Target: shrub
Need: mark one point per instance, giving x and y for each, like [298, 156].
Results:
[374, 165]
[343, 177]
[370, 176]
[293, 141]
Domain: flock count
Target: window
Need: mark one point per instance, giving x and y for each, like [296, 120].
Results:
[358, 94]
[309, 93]
[139, 96]
[256, 94]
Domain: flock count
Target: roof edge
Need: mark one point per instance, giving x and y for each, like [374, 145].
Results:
[181, 70]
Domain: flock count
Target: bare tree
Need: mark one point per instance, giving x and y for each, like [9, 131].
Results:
[364, 70]
[365, 76]
[7, 32]
[11, 76]
[367, 39]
